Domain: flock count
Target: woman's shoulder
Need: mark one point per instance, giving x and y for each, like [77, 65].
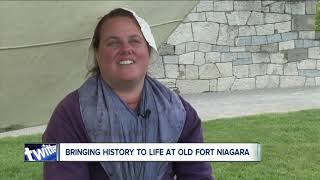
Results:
[66, 124]
[70, 100]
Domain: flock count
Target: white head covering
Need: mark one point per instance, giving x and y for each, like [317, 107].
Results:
[146, 31]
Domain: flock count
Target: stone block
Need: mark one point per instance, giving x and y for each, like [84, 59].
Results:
[213, 85]
[310, 82]
[274, 38]
[269, 81]
[282, 27]
[225, 69]
[180, 49]
[248, 5]
[241, 71]
[243, 55]
[218, 17]
[244, 84]
[266, 29]
[182, 34]
[187, 58]
[275, 69]
[278, 58]
[166, 49]
[199, 58]
[277, 7]
[220, 48]
[227, 35]
[307, 64]
[238, 49]
[205, 6]
[208, 71]
[290, 69]
[310, 43]
[311, 7]
[195, 17]
[171, 59]
[276, 18]
[156, 68]
[256, 18]
[171, 70]
[297, 54]
[223, 6]
[317, 35]
[205, 47]
[192, 72]
[266, 9]
[307, 35]
[213, 57]
[289, 36]
[192, 46]
[260, 58]
[257, 70]
[286, 45]
[267, 3]
[309, 72]
[292, 81]
[181, 71]
[169, 83]
[254, 48]
[314, 53]
[242, 61]
[317, 81]
[228, 57]
[247, 31]
[225, 84]
[258, 40]
[238, 17]
[295, 7]
[270, 48]
[298, 44]
[192, 86]
[303, 22]
[243, 41]
[206, 32]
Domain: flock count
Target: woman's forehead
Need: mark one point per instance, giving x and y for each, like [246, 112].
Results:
[121, 25]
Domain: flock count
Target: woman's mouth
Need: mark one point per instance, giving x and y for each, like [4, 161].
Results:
[126, 62]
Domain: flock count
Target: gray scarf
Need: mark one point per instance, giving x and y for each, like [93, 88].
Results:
[108, 119]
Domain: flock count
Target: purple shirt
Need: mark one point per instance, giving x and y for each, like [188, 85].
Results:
[66, 126]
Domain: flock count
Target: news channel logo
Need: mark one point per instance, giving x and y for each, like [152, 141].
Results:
[40, 152]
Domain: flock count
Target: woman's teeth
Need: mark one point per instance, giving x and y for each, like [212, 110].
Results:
[126, 62]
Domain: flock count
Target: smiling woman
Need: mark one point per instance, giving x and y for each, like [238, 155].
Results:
[119, 102]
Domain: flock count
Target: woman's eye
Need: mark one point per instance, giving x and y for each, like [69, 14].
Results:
[113, 44]
[135, 41]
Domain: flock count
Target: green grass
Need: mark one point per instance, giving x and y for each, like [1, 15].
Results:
[290, 145]
[12, 165]
[318, 17]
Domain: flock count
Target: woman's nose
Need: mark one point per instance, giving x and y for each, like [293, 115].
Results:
[126, 49]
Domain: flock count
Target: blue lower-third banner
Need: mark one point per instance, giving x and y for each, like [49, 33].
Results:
[143, 152]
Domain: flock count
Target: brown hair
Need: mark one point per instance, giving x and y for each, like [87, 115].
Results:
[96, 36]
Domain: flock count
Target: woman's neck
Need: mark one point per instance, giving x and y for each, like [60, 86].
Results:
[130, 93]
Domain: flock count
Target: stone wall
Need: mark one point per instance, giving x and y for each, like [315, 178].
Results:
[240, 45]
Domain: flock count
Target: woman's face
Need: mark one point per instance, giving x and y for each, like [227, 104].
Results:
[122, 54]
